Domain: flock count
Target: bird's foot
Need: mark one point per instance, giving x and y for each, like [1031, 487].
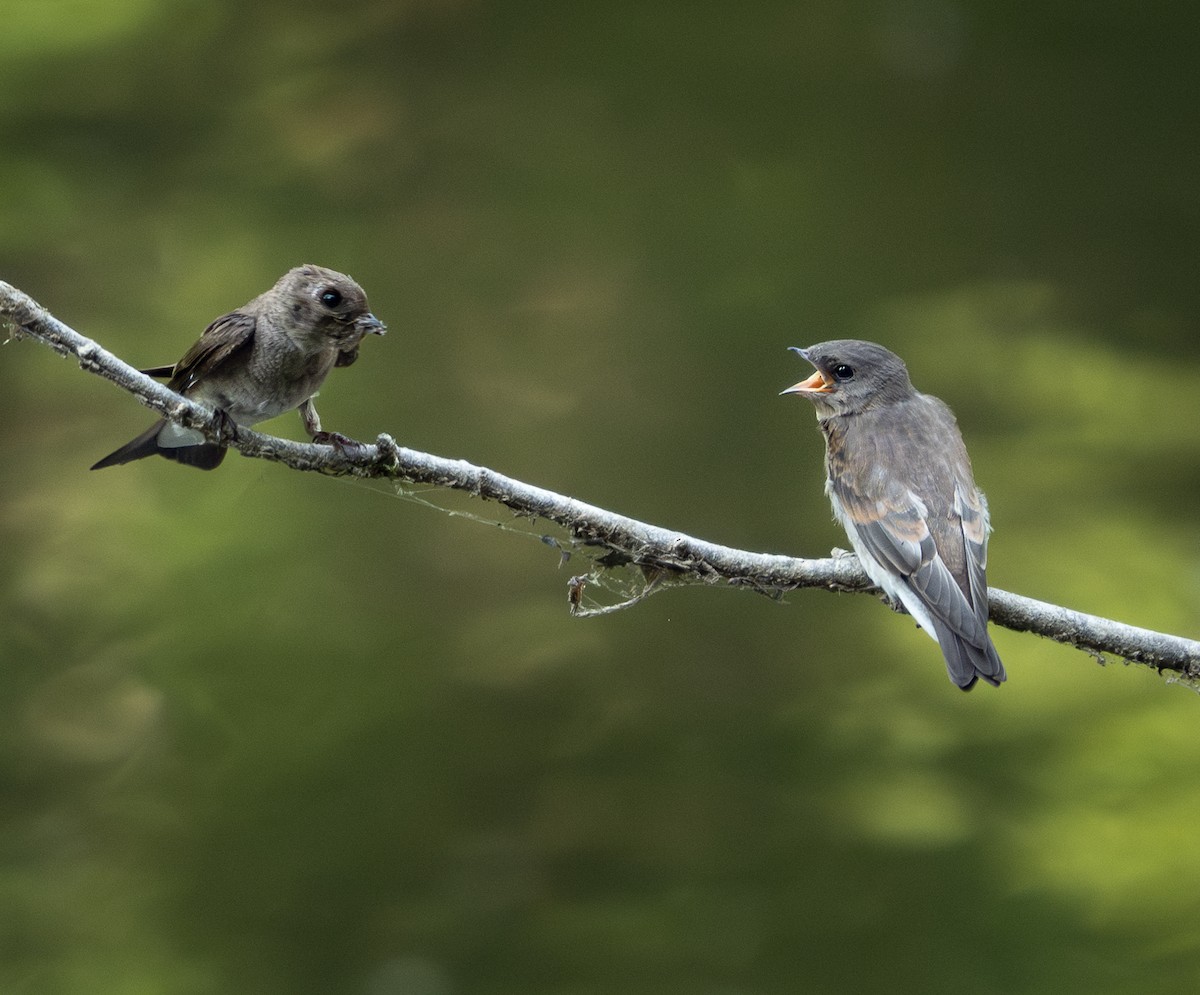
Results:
[897, 607]
[343, 444]
[225, 427]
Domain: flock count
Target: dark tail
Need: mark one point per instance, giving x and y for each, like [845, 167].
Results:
[966, 662]
[206, 456]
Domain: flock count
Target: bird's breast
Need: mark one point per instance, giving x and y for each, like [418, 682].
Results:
[275, 380]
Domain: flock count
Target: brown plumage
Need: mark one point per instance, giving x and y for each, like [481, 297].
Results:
[261, 360]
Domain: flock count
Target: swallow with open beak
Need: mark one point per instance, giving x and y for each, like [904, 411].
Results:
[901, 485]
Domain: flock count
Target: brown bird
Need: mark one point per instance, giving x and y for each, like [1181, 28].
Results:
[900, 481]
[261, 360]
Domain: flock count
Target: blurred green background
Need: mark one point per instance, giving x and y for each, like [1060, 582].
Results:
[270, 732]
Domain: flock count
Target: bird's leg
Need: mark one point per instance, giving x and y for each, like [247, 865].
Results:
[312, 420]
[225, 427]
[312, 425]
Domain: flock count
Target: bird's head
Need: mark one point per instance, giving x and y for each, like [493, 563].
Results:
[851, 376]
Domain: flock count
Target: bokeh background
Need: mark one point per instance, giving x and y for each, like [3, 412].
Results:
[275, 733]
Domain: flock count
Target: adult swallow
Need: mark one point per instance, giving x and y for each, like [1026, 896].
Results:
[900, 481]
[265, 358]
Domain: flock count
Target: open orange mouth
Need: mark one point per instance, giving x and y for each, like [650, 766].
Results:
[816, 384]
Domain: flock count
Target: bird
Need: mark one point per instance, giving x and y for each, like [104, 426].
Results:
[265, 358]
[900, 482]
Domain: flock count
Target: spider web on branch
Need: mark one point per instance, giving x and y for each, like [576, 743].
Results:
[609, 584]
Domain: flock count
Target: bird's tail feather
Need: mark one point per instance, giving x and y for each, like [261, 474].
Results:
[967, 662]
[205, 456]
[144, 445]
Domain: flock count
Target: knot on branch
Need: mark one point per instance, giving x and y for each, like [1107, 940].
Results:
[387, 453]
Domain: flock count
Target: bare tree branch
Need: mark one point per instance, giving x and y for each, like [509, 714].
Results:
[661, 554]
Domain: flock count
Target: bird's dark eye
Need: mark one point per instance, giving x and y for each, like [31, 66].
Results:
[843, 372]
[331, 297]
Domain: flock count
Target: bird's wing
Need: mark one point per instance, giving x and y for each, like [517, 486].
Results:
[227, 335]
[895, 531]
[971, 508]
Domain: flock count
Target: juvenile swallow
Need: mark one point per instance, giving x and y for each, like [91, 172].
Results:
[900, 481]
[261, 360]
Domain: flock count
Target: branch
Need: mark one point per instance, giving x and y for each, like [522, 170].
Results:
[663, 556]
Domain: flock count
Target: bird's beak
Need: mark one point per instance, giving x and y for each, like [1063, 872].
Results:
[370, 324]
[816, 384]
